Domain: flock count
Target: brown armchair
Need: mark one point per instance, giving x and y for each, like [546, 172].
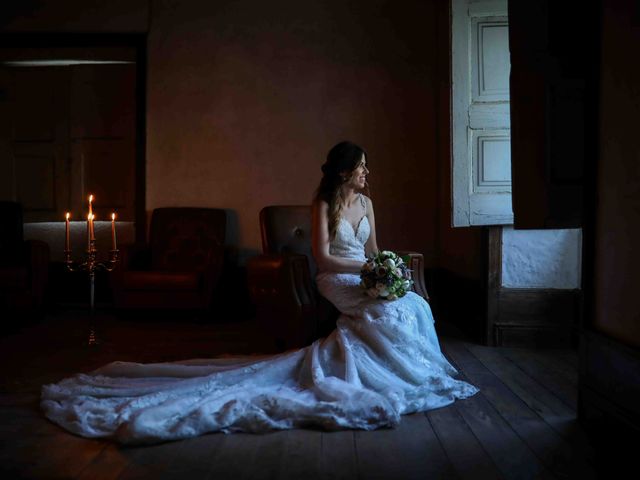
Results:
[180, 266]
[282, 279]
[24, 265]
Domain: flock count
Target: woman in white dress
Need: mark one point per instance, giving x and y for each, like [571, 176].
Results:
[383, 359]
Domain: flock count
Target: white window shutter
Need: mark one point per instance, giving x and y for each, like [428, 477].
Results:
[481, 173]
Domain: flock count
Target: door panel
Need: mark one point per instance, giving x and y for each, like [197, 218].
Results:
[103, 101]
[34, 152]
[551, 101]
[106, 169]
[66, 132]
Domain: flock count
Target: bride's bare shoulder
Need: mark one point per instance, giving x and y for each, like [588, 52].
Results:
[368, 200]
[319, 208]
[320, 204]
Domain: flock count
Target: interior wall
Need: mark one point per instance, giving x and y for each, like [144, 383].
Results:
[246, 97]
[617, 258]
[460, 249]
[50, 16]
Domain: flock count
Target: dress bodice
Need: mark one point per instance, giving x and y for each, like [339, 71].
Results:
[349, 242]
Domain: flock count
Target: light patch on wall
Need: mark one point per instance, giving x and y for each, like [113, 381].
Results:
[53, 234]
[59, 63]
[541, 258]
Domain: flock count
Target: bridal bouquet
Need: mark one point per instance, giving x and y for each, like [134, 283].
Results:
[386, 275]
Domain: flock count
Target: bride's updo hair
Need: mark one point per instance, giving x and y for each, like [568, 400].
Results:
[342, 160]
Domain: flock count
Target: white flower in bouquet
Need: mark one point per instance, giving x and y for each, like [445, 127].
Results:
[386, 276]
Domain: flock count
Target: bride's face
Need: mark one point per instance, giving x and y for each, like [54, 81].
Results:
[358, 178]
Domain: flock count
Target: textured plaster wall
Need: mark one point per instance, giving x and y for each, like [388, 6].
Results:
[541, 258]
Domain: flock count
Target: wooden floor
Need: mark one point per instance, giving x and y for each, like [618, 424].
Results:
[521, 425]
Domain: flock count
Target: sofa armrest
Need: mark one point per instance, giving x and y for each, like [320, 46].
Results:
[280, 278]
[281, 289]
[416, 265]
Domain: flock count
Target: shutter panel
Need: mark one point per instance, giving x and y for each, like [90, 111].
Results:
[481, 113]
[549, 43]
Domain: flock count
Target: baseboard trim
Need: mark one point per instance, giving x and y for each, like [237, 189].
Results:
[537, 317]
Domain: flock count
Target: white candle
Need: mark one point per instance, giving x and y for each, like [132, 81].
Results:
[67, 242]
[113, 231]
[89, 232]
[92, 235]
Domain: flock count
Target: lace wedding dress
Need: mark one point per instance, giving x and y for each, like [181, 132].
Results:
[383, 360]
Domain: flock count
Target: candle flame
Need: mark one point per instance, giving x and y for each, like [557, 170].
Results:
[113, 216]
[90, 198]
[67, 215]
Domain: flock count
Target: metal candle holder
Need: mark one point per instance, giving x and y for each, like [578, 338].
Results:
[91, 265]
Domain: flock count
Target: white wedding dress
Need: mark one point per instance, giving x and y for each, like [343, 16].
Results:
[383, 360]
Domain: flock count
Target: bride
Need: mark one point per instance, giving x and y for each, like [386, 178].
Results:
[383, 359]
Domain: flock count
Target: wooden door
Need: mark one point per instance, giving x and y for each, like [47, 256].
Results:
[34, 140]
[102, 136]
[66, 132]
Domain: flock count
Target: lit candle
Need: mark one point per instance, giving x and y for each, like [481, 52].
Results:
[67, 242]
[89, 232]
[93, 231]
[113, 231]
[91, 217]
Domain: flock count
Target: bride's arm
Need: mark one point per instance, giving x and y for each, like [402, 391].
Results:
[371, 247]
[320, 243]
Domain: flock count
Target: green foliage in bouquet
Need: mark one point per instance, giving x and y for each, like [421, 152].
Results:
[386, 275]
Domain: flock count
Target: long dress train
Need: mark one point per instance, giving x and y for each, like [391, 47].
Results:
[383, 360]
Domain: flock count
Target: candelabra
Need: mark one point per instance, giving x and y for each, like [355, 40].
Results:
[91, 265]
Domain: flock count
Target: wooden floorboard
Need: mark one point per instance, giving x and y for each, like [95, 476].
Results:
[520, 425]
[568, 356]
[246, 455]
[409, 451]
[303, 454]
[557, 453]
[338, 455]
[551, 408]
[194, 456]
[544, 372]
[548, 359]
[465, 452]
[513, 457]
[150, 461]
[50, 454]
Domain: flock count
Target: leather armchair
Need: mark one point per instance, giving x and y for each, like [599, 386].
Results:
[180, 266]
[282, 280]
[24, 265]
